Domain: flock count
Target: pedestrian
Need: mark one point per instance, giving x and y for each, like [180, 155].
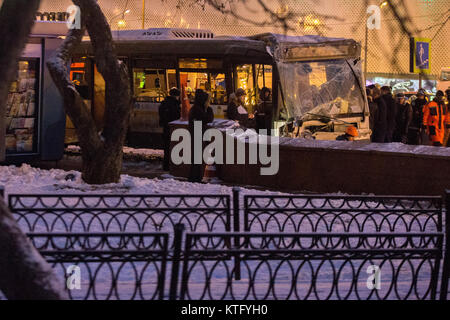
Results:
[415, 129]
[237, 110]
[201, 113]
[381, 123]
[403, 119]
[169, 110]
[447, 135]
[391, 113]
[350, 134]
[436, 119]
[263, 115]
[373, 109]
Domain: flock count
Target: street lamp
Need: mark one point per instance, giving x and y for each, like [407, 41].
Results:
[121, 23]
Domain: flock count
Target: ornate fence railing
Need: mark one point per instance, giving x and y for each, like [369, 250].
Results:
[311, 266]
[311, 247]
[121, 213]
[108, 266]
[313, 213]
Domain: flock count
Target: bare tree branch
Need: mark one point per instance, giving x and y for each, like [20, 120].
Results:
[101, 154]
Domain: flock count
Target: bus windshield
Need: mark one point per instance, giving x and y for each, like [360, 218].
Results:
[329, 88]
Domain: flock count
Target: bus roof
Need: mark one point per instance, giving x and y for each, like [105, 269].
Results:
[163, 41]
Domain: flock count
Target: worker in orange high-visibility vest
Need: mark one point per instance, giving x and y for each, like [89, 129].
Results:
[436, 119]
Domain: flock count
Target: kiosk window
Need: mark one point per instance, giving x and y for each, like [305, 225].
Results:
[21, 109]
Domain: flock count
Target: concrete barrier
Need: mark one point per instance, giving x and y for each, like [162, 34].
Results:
[347, 167]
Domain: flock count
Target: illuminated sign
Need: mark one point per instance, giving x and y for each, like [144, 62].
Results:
[420, 55]
[320, 51]
[52, 16]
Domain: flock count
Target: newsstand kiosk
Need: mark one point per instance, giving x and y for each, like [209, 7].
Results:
[35, 116]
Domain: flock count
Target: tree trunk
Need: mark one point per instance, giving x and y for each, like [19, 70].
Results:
[24, 274]
[16, 20]
[102, 154]
[103, 166]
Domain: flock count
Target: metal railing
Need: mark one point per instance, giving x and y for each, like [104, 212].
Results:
[108, 266]
[311, 247]
[311, 266]
[47, 213]
[313, 213]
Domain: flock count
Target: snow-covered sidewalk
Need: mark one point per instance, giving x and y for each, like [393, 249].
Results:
[29, 180]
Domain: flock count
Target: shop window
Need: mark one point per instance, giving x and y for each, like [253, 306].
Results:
[200, 63]
[213, 83]
[21, 109]
[153, 85]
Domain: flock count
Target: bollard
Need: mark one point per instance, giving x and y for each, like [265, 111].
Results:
[177, 241]
[2, 192]
[446, 265]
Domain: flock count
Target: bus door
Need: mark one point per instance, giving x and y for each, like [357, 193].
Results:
[152, 81]
[253, 78]
[208, 75]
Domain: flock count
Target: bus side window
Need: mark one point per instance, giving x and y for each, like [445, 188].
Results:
[152, 85]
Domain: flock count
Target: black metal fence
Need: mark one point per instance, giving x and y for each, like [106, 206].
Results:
[121, 213]
[314, 213]
[312, 266]
[108, 266]
[306, 247]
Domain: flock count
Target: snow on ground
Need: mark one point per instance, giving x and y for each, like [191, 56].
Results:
[29, 180]
[128, 151]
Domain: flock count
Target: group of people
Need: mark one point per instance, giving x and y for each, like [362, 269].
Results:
[170, 110]
[261, 119]
[395, 119]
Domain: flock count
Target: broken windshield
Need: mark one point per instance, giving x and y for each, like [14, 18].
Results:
[327, 89]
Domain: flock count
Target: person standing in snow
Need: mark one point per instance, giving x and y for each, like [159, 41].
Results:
[380, 124]
[415, 129]
[436, 118]
[169, 111]
[391, 113]
[403, 119]
[201, 113]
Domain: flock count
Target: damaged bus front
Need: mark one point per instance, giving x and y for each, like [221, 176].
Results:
[321, 86]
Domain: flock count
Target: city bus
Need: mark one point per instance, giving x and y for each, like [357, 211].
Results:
[317, 83]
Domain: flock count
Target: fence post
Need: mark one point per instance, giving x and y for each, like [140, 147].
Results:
[237, 228]
[446, 266]
[177, 241]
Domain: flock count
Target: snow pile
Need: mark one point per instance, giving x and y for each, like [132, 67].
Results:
[129, 153]
[29, 180]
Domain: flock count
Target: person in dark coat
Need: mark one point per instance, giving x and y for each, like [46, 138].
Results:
[380, 123]
[391, 113]
[415, 129]
[169, 110]
[373, 109]
[203, 113]
[403, 119]
[264, 111]
[237, 111]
